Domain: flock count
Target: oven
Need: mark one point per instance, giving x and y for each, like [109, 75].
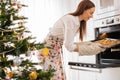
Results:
[107, 32]
[110, 37]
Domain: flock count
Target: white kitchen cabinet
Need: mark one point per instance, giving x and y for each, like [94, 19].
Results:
[73, 75]
[102, 74]
[82, 75]
[68, 56]
[109, 74]
[87, 75]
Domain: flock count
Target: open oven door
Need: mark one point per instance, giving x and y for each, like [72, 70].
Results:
[111, 56]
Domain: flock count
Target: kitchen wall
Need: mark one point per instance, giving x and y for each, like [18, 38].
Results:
[42, 14]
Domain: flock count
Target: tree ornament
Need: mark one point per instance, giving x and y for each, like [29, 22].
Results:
[2, 34]
[19, 5]
[9, 44]
[20, 36]
[11, 17]
[14, 31]
[20, 24]
[3, 55]
[45, 51]
[0, 11]
[10, 75]
[17, 61]
[33, 75]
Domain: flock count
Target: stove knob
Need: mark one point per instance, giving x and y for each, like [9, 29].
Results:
[89, 66]
[94, 66]
[80, 65]
[76, 64]
[85, 65]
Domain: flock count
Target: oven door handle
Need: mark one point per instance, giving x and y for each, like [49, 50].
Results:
[86, 69]
[114, 50]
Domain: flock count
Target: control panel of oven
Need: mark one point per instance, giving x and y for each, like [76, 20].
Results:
[108, 21]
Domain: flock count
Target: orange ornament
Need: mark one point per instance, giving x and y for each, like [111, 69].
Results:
[33, 75]
[10, 74]
[45, 51]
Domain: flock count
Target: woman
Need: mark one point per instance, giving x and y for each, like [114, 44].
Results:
[64, 31]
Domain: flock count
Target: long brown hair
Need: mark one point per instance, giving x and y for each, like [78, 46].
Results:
[83, 5]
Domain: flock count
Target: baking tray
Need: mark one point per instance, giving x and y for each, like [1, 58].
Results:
[108, 42]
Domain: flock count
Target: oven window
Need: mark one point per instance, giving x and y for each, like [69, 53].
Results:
[106, 3]
[114, 35]
[110, 55]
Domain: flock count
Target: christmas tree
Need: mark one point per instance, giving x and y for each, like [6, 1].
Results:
[14, 43]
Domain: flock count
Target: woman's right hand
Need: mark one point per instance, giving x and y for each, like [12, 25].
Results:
[90, 48]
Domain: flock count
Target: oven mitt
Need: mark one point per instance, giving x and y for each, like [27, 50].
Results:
[90, 48]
